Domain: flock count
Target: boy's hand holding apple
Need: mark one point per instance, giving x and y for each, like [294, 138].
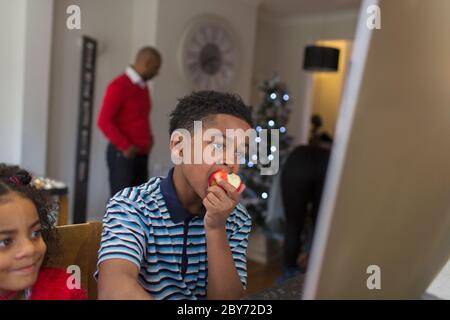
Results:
[222, 197]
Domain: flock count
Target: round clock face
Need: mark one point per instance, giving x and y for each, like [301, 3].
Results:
[209, 56]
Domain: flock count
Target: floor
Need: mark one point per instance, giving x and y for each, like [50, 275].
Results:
[261, 276]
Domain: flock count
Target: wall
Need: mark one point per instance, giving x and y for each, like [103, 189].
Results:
[12, 16]
[24, 80]
[144, 24]
[279, 48]
[36, 85]
[114, 55]
[327, 86]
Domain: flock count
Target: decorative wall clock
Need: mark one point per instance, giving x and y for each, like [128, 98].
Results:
[208, 54]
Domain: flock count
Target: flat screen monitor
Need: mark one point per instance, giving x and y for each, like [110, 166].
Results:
[383, 230]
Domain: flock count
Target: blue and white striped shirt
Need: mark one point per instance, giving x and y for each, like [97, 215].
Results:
[148, 226]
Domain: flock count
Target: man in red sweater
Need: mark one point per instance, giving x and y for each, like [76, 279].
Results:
[124, 120]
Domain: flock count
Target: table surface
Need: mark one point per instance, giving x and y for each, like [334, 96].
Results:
[56, 191]
[291, 289]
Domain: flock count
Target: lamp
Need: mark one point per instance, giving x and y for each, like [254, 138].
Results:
[321, 59]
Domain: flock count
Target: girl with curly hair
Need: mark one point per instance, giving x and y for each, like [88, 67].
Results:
[26, 234]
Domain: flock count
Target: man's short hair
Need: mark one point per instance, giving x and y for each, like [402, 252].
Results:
[146, 52]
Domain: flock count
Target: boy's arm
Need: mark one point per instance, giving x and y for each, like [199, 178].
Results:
[122, 250]
[118, 280]
[223, 278]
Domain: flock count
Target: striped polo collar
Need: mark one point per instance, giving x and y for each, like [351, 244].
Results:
[176, 210]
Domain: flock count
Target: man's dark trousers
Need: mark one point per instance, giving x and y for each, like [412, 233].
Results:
[124, 172]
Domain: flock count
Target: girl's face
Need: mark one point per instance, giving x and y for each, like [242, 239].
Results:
[22, 248]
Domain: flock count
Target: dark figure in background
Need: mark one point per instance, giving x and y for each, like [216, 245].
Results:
[302, 181]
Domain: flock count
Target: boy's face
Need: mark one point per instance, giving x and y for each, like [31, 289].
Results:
[219, 150]
[22, 248]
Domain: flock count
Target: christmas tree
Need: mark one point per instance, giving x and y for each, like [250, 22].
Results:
[272, 113]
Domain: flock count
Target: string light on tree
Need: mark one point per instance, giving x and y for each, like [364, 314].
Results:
[272, 113]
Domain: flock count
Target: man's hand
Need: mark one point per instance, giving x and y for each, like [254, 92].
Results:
[219, 202]
[130, 152]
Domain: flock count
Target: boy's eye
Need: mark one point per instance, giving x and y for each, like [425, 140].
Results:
[4, 243]
[218, 146]
[36, 234]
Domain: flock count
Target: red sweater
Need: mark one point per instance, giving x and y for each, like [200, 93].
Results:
[51, 284]
[124, 115]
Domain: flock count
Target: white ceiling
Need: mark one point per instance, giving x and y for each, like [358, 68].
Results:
[283, 9]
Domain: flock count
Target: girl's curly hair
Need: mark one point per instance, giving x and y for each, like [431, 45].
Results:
[14, 179]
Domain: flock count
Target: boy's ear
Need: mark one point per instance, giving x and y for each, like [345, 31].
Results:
[176, 144]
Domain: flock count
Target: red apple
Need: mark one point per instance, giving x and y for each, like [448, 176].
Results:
[235, 181]
[217, 176]
[231, 178]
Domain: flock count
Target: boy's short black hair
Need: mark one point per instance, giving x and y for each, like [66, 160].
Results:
[201, 105]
